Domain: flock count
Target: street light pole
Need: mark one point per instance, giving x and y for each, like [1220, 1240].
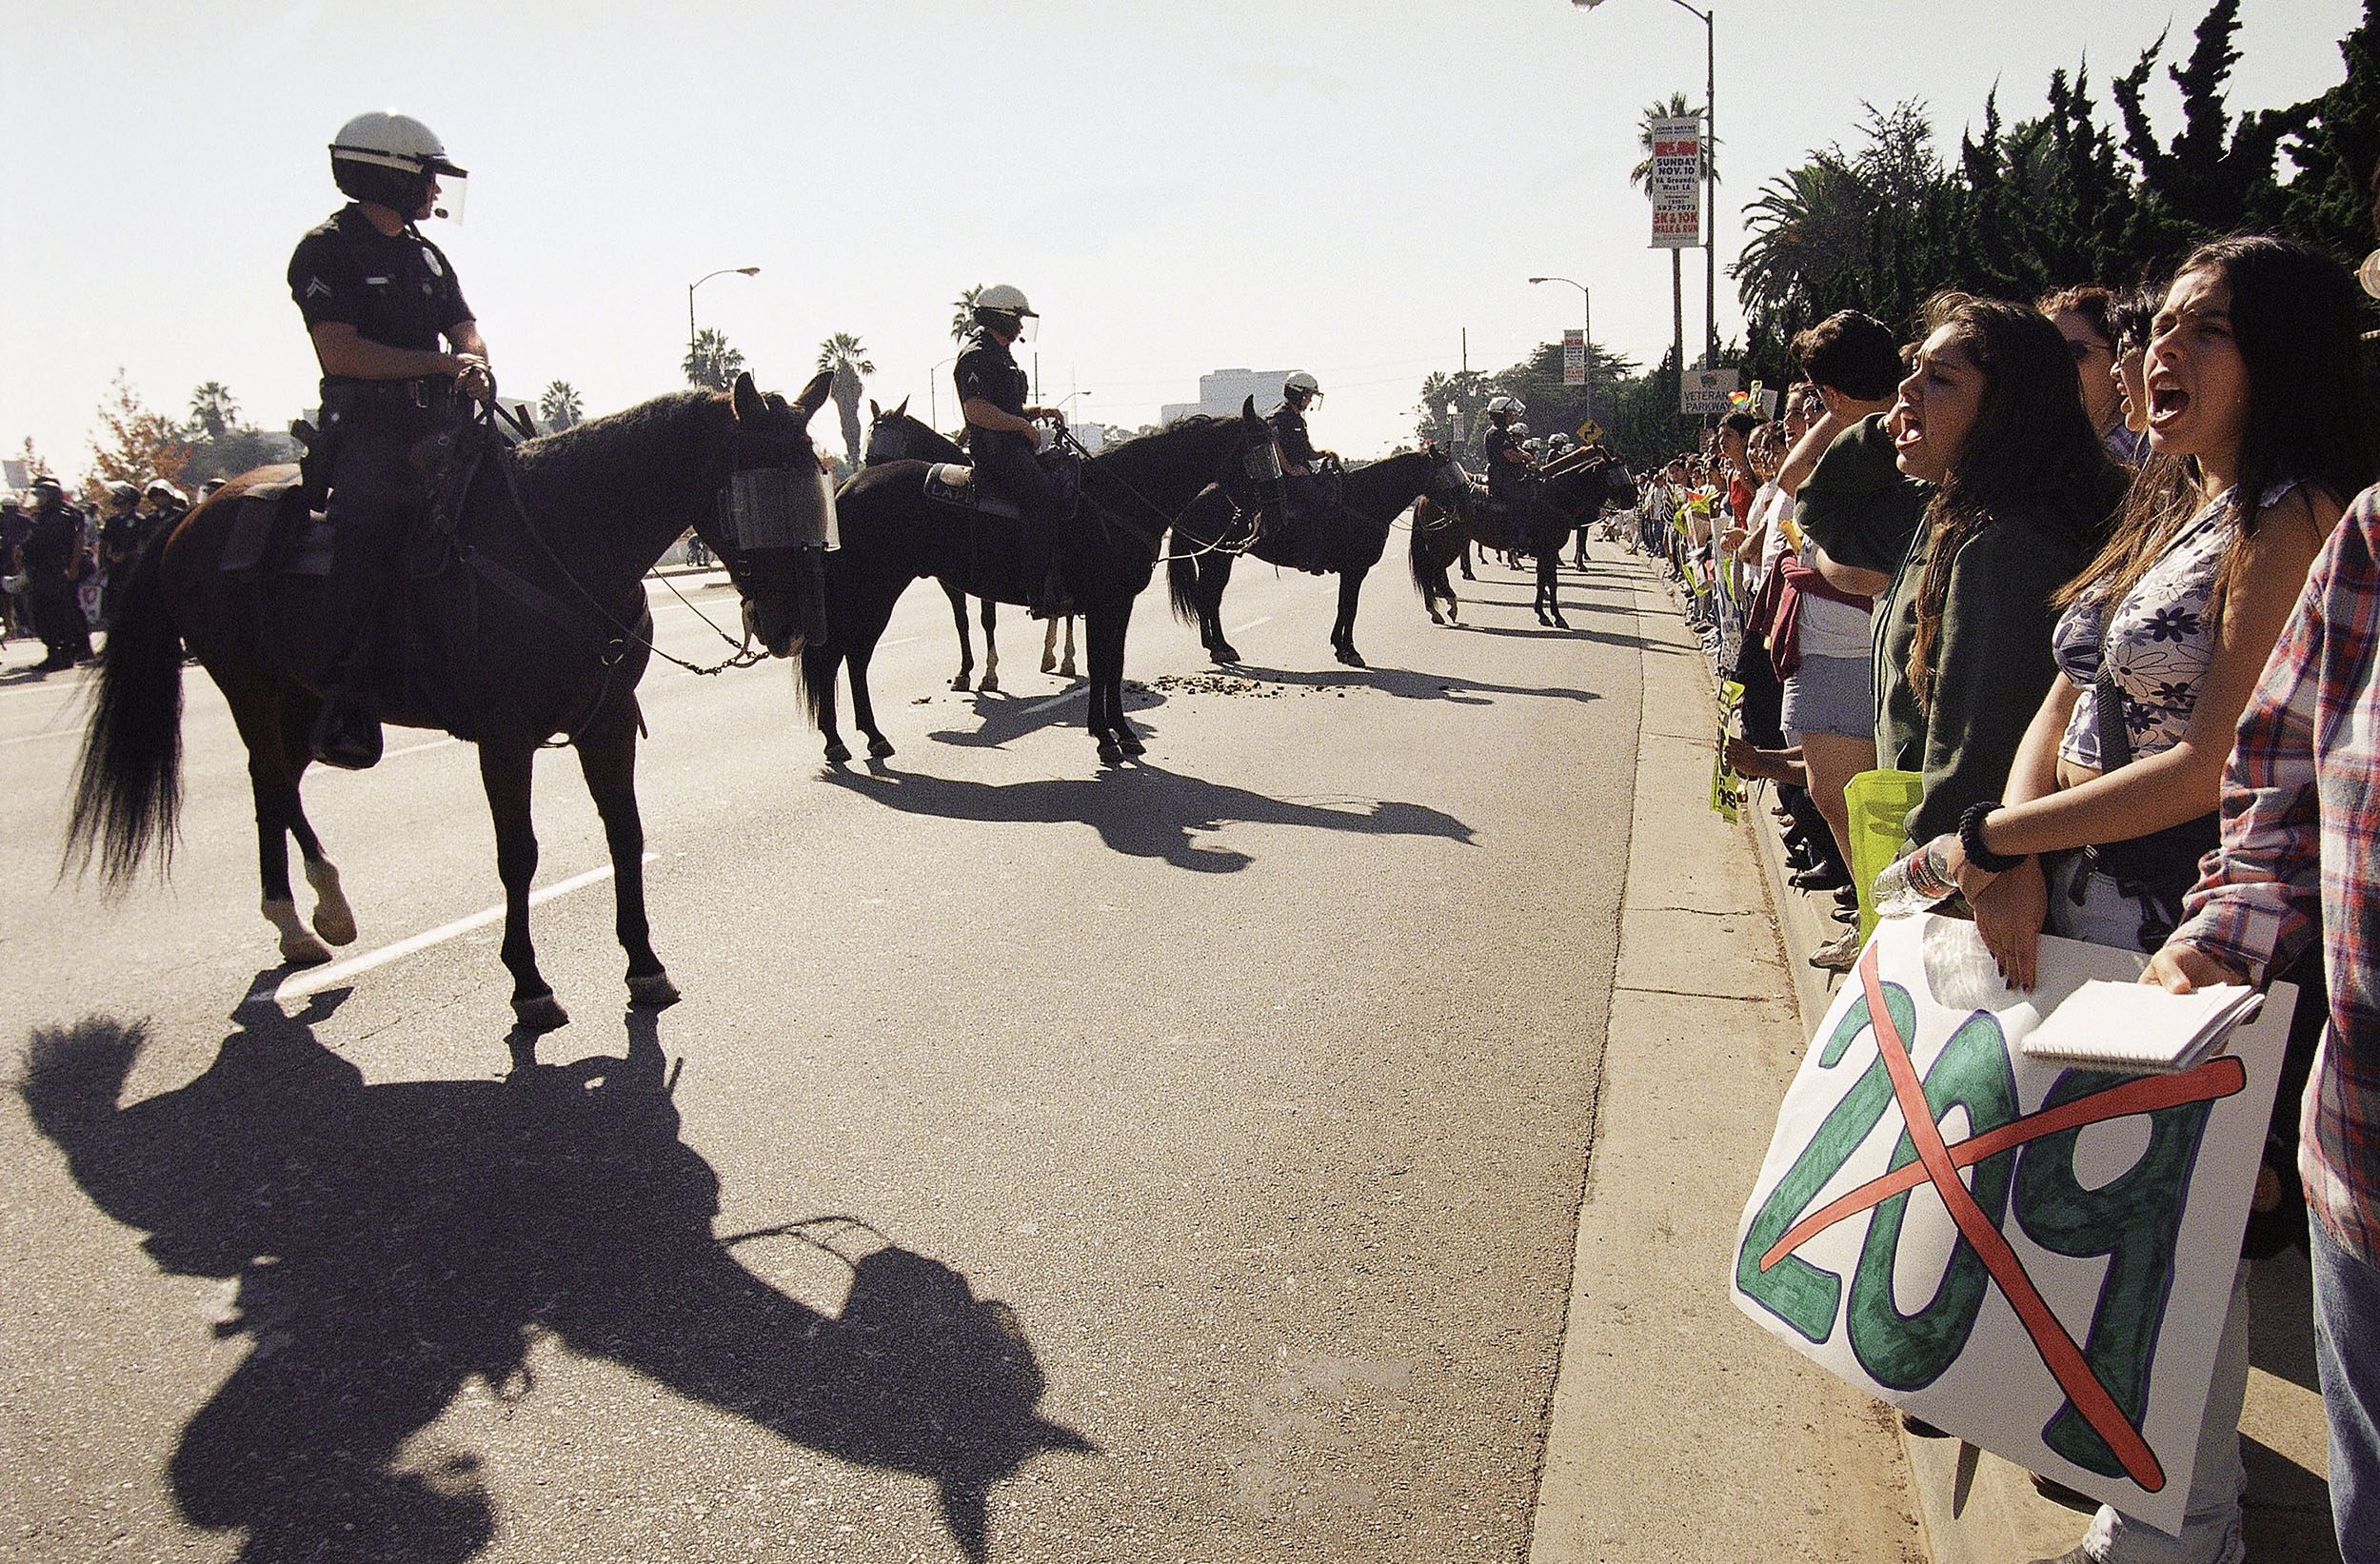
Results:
[1586, 313]
[933, 402]
[692, 342]
[1710, 174]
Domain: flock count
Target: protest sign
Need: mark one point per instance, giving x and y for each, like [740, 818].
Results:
[2035, 1260]
[1727, 789]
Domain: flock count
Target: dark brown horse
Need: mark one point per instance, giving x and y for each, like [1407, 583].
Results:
[1571, 494]
[529, 622]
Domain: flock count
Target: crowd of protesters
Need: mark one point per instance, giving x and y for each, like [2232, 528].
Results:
[63, 568]
[2079, 567]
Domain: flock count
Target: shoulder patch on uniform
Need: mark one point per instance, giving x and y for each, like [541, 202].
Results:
[316, 287]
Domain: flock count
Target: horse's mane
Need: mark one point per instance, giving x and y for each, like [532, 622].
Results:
[613, 453]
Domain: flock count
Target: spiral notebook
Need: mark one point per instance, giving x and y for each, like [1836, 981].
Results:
[2140, 1027]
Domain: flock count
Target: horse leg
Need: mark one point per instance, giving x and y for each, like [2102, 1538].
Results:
[864, 709]
[991, 646]
[275, 786]
[607, 761]
[1049, 645]
[1217, 568]
[1548, 585]
[1108, 669]
[503, 771]
[1465, 558]
[333, 918]
[967, 645]
[1343, 631]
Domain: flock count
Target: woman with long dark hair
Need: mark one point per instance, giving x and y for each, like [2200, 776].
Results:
[2258, 433]
[1992, 415]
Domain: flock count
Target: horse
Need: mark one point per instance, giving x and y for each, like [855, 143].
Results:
[894, 436]
[894, 532]
[530, 620]
[1208, 536]
[1571, 493]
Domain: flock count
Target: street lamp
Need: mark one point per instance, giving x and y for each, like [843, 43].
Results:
[933, 402]
[691, 340]
[1710, 174]
[1586, 319]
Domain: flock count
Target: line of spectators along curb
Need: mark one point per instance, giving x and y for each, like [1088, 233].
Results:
[2079, 568]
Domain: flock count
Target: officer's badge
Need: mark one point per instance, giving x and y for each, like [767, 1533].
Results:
[430, 258]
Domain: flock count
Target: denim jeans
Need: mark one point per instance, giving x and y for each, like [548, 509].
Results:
[2347, 1345]
[2210, 1526]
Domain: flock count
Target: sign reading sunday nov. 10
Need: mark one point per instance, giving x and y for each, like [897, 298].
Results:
[2034, 1258]
[1677, 183]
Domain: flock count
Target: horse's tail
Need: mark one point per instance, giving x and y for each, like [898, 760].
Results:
[127, 788]
[814, 678]
[1181, 583]
[1418, 556]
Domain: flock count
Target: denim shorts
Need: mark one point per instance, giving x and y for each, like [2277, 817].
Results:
[1829, 695]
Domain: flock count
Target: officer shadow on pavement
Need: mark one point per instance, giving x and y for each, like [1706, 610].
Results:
[392, 1243]
[1145, 811]
[1003, 718]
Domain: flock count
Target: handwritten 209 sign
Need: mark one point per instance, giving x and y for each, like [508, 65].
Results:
[2038, 1259]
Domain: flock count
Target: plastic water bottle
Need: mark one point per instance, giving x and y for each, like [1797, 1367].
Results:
[1915, 883]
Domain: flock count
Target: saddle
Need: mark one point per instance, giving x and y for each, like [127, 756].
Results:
[953, 483]
[274, 520]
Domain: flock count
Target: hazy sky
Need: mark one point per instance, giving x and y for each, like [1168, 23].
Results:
[1179, 187]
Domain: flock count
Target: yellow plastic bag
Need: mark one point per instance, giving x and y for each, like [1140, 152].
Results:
[1880, 804]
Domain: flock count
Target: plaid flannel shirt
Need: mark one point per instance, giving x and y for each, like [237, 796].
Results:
[2301, 840]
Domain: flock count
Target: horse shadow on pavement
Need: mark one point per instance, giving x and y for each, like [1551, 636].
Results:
[1002, 717]
[1144, 811]
[392, 1243]
[1404, 683]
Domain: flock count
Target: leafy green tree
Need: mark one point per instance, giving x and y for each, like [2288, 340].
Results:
[2331, 200]
[559, 408]
[137, 444]
[2213, 175]
[962, 313]
[844, 354]
[712, 363]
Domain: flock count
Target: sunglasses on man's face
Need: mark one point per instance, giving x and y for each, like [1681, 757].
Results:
[2082, 347]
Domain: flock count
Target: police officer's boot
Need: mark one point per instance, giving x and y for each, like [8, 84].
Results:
[346, 730]
[1049, 600]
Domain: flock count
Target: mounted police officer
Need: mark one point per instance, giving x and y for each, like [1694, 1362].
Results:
[1001, 438]
[378, 301]
[1511, 476]
[1312, 497]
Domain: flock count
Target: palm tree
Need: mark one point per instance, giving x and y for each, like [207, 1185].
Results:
[1808, 226]
[560, 406]
[844, 354]
[962, 313]
[1641, 176]
[213, 410]
[710, 362]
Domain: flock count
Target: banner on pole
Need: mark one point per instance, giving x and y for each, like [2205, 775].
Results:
[2034, 1258]
[1575, 357]
[1676, 184]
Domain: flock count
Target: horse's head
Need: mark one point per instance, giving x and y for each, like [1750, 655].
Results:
[777, 517]
[1449, 488]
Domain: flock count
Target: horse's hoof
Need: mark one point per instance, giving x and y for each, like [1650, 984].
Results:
[989, 684]
[1049, 664]
[652, 990]
[1110, 751]
[1065, 670]
[334, 920]
[1560, 623]
[1226, 652]
[837, 752]
[1353, 658]
[959, 682]
[303, 949]
[879, 746]
[1130, 742]
[541, 1014]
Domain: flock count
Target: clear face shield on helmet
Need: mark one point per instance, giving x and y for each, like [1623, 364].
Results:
[449, 194]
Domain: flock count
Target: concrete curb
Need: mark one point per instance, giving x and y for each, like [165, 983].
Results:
[1678, 1431]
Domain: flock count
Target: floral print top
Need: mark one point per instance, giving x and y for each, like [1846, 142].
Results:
[2161, 639]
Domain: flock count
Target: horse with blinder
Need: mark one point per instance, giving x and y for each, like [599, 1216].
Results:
[526, 620]
[1207, 537]
[1571, 493]
[895, 532]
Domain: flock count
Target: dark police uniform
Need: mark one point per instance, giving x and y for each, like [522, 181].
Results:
[1508, 480]
[1005, 458]
[49, 551]
[399, 292]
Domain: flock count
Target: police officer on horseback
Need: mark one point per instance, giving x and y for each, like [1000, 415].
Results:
[1511, 476]
[1002, 441]
[1312, 497]
[400, 352]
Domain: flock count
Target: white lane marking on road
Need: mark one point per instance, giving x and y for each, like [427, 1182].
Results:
[1250, 626]
[50, 733]
[426, 744]
[903, 642]
[1045, 705]
[314, 981]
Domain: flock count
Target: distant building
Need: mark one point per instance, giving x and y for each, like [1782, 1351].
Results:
[1221, 392]
[1092, 437]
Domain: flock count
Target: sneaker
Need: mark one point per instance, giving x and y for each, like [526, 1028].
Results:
[1839, 954]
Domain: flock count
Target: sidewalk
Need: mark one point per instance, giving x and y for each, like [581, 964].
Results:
[1976, 1508]
[1680, 1431]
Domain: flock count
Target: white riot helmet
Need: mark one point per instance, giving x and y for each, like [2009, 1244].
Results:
[391, 159]
[1012, 313]
[1508, 406]
[1518, 427]
[1301, 388]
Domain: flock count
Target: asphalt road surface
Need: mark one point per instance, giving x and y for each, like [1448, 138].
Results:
[1177, 1160]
